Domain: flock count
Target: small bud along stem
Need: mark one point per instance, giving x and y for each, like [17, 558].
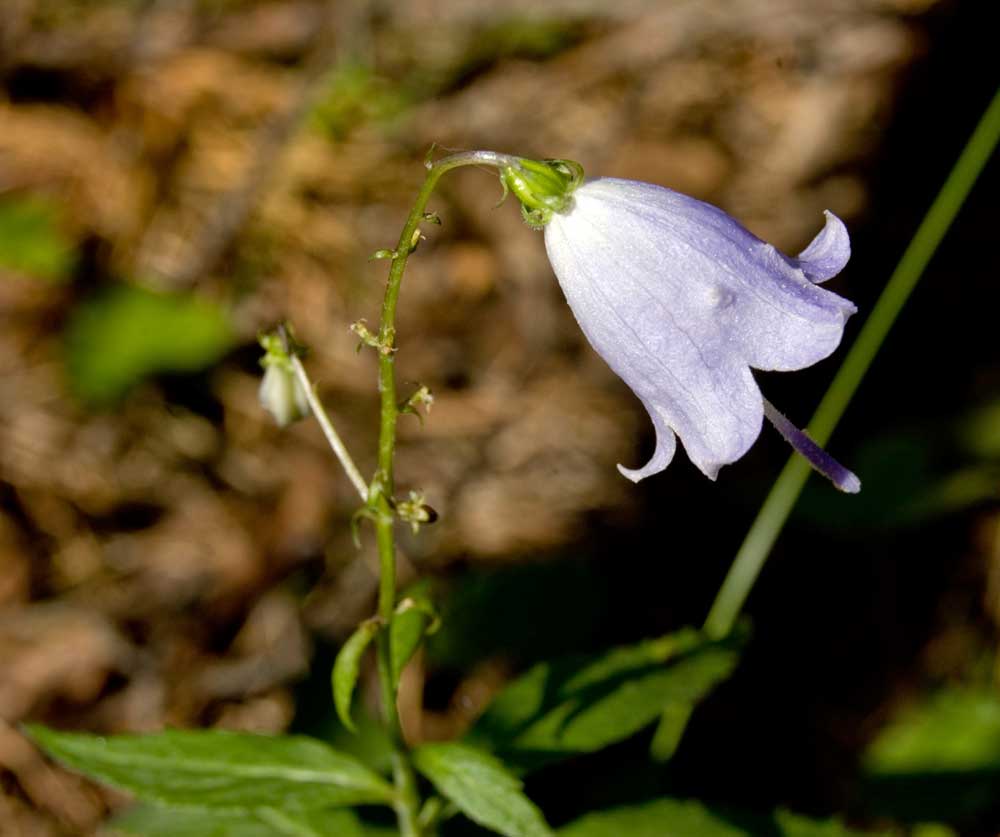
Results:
[380, 492]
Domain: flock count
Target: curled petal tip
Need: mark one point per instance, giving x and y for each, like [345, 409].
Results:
[658, 463]
[666, 445]
[630, 473]
[828, 252]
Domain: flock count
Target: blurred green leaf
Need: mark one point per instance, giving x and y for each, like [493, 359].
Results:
[582, 704]
[525, 37]
[939, 759]
[156, 821]
[218, 769]
[932, 829]
[687, 818]
[482, 788]
[125, 334]
[31, 241]
[354, 95]
[346, 667]
[957, 729]
[979, 432]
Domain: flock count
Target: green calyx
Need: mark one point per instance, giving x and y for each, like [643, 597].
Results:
[542, 187]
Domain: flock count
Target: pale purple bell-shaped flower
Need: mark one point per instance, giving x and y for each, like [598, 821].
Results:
[682, 302]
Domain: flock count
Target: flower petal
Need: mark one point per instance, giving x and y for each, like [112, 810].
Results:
[827, 253]
[666, 445]
[758, 298]
[656, 328]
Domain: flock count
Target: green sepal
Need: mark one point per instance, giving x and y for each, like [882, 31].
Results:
[542, 187]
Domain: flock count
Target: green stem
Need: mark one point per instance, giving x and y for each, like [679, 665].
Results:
[380, 492]
[772, 516]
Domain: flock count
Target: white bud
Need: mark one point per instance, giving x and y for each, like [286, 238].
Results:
[282, 395]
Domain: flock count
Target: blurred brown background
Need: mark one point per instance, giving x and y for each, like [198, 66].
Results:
[177, 176]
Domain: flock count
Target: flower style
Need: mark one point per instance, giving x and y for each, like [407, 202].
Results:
[682, 301]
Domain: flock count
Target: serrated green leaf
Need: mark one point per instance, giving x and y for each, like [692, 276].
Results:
[482, 788]
[688, 818]
[582, 704]
[346, 668]
[126, 334]
[157, 821]
[31, 241]
[218, 769]
[414, 619]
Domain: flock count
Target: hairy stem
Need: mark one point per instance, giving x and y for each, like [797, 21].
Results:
[380, 492]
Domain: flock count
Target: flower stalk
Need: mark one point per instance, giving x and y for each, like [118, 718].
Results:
[332, 437]
[381, 489]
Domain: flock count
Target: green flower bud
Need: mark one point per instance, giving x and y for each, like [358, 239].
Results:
[542, 187]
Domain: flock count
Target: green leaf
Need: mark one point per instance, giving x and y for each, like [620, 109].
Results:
[956, 729]
[120, 337]
[414, 619]
[157, 821]
[581, 704]
[218, 769]
[482, 788]
[346, 667]
[354, 95]
[939, 759]
[687, 818]
[322, 822]
[795, 825]
[31, 241]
